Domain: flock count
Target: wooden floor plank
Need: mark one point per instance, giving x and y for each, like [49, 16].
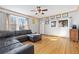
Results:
[55, 45]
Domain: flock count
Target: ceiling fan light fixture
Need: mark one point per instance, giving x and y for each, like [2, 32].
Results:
[42, 13]
[39, 10]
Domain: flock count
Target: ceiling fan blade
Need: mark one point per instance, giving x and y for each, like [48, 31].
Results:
[45, 10]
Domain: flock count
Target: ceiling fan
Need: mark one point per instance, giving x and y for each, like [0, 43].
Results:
[39, 10]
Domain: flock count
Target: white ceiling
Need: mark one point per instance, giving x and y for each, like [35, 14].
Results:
[52, 9]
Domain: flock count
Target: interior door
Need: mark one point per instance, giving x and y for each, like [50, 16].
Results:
[42, 27]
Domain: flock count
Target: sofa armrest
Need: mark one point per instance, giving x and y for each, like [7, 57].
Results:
[25, 49]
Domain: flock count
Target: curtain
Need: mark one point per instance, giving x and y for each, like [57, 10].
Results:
[3, 21]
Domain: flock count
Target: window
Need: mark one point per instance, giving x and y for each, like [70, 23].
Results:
[17, 23]
[12, 22]
[21, 23]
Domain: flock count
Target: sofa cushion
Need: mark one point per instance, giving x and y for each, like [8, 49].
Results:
[7, 44]
[22, 32]
[7, 41]
[10, 47]
[25, 49]
[22, 38]
[5, 34]
[28, 31]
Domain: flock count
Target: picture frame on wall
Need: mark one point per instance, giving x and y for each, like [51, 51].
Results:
[58, 16]
[53, 23]
[52, 17]
[64, 15]
[63, 23]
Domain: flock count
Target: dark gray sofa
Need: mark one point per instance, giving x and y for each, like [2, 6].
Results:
[10, 42]
[22, 35]
[27, 35]
[34, 37]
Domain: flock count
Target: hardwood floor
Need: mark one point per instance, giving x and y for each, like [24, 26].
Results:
[55, 45]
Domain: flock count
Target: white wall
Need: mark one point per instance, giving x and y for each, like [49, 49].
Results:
[62, 31]
[57, 31]
[34, 27]
[75, 18]
[42, 22]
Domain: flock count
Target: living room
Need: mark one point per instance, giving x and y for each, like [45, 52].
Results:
[38, 28]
